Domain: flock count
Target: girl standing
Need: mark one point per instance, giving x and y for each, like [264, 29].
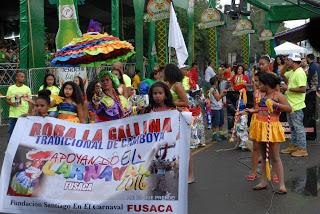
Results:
[255, 150]
[270, 130]
[70, 108]
[79, 81]
[160, 98]
[49, 83]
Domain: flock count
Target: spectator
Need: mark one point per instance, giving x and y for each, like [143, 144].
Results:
[209, 73]
[136, 79]
[122, 89]
[304, 65]
[18, 98]
[296, 93]
[3, 55]
[193, 74]
[277, 64]
[239, 80]
[313, 79]
[49, 83]
[126, 78]
[186, 82]
[246, 70]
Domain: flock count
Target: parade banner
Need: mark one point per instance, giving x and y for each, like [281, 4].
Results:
[134, 165]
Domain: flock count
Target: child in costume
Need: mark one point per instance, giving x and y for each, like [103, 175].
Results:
[24, 182]
[241, 126]
[268, 129]
[70, 103]
[107, 103]
[255, 150]
[197, 127]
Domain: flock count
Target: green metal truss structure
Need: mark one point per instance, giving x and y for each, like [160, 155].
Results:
[32, 25]
[278, 11]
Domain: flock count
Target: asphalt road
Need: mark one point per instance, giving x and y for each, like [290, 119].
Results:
[221, 186]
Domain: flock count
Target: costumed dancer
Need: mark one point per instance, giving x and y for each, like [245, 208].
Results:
[241, 122]
[196, 98]
[269, 131]
[108, 104]
[26, 180]
[255, 150]
[70, 103]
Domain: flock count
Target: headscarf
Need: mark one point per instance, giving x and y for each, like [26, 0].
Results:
[114, 79]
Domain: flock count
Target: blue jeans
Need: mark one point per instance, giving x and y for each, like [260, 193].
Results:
[217, 118]
[12, 123]
[298, 135]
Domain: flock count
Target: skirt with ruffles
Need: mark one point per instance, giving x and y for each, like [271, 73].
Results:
[259, 129]
[70, 118]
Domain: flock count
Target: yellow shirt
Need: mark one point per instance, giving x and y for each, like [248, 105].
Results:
[186, 83]
[297, 78]
[54, 91]
[18, 94]
[127, 80]
[136, 81]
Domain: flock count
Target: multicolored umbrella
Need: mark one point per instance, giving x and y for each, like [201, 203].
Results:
[93, 49]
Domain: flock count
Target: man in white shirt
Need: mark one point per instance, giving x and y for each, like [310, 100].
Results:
[209, 73]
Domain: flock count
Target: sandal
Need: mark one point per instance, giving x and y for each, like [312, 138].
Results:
[281, 192]
[259, 187]
[275, 179]
[252, 177]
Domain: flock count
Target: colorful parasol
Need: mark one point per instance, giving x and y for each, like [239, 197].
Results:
[93, 49]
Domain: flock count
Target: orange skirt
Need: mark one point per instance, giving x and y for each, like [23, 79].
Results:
[259, 129]
[69, 117]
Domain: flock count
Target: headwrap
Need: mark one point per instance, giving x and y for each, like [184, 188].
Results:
[114, 79]
[144, 88]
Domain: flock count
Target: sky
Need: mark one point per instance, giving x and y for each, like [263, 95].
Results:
[288, 24]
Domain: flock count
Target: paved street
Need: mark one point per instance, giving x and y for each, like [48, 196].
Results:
[221, 186]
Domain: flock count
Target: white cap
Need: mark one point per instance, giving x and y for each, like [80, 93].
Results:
[296, 57]
[183, 66]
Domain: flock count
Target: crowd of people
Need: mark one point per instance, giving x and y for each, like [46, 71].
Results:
[9, 52]
[279, 85]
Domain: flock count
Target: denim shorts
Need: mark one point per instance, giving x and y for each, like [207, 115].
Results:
[217, 118]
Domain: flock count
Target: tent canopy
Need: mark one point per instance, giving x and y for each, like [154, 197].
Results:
[288, 47]
[284, 10]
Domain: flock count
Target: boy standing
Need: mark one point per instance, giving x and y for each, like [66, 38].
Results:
[17, 98]
[216, 108]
